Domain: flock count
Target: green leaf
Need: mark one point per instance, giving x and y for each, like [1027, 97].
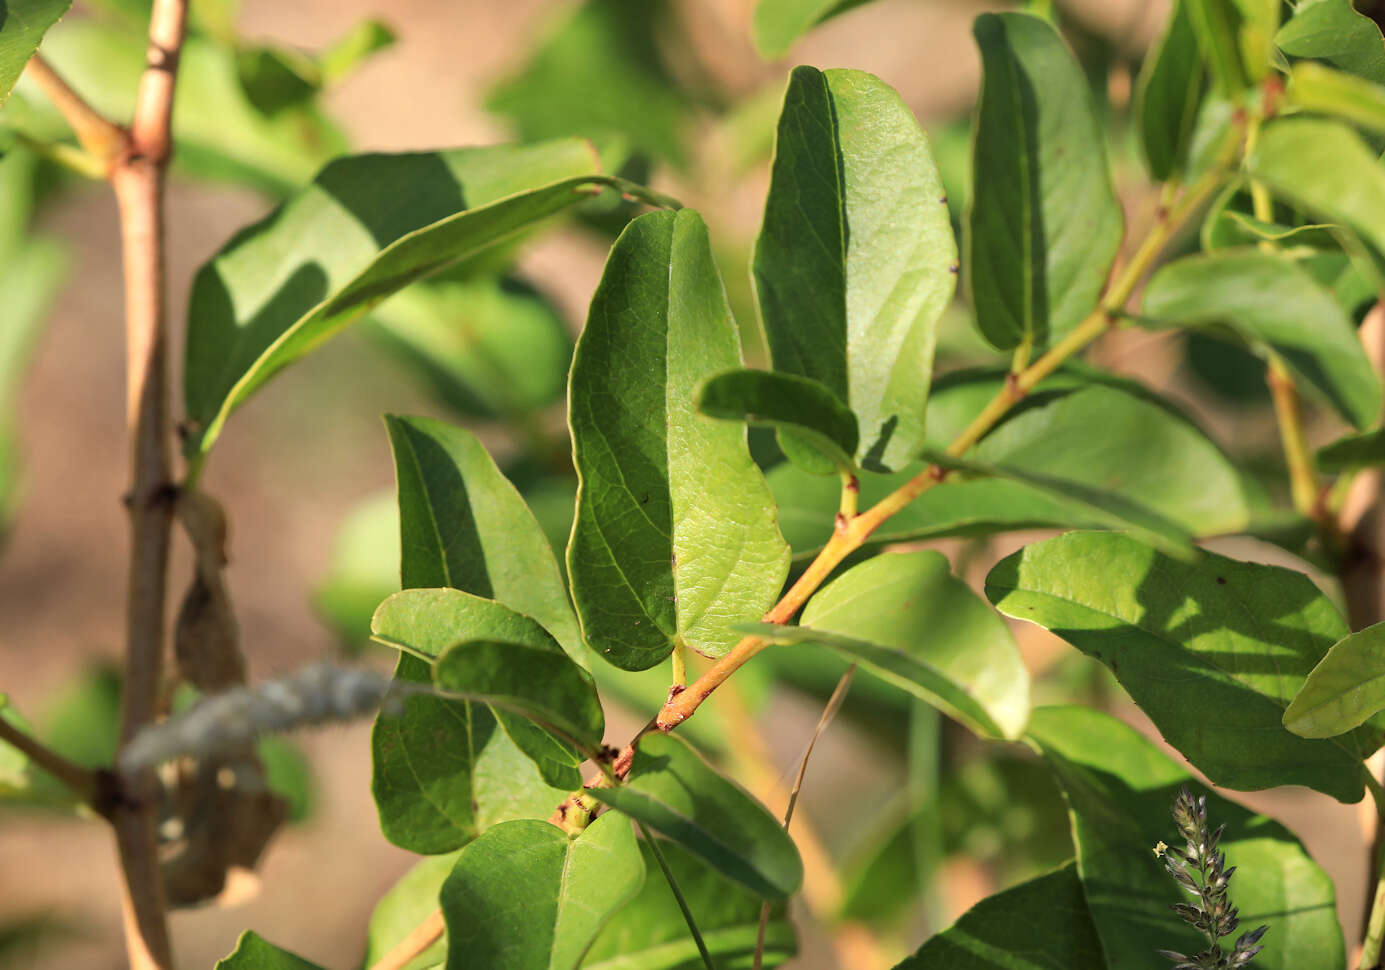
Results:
[1325, 169]
[906, 618]
[1043, 225]
[443, 772]
[650, 933]
[488, 347]
[676, 793]
[274, 79]
[675, 538]
[1043, 924]
[779, 23]
[348, 52]
[856, 260]
[1319, 89]
[1268, 300]
[525, 896]
[22, 782]
[254, 952]
[336, 249]
[22, 25]
[1217, 25]
[1353, 451]
[1119, 789]
[599, 73]
[362, 570]
[463, 525]
[1113, 509]
[798, 405]
[1170, 92]
[1332, 31]
[1345, 690]
[540, 683]
[403, 906]
[1189, 639]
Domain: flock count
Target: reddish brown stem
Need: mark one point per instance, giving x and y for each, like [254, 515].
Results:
[82, 781]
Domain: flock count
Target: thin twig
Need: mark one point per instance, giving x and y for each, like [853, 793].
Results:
[678, 896]
[834, 703]
[103, 139]
[82, 781]
[422, 936]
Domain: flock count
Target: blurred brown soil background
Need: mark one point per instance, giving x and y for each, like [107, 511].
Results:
[311, 445]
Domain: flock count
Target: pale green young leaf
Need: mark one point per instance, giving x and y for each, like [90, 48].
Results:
[254, 952]
[463, 525]
[677, 794]
[1043, 224]
[1333, 31]
[1217, 24]
[1119, 789]
[779, 23]
[345, 54]
[675, 539]
[525, 896]
[797, 405]
[1313, 87]
[1171, 87]
[1042, 924]
[22, 25]
[907, 619]
[403, 906]
[1346, 689]
[1186, 639]
[856, 260]
[337, 248]
[1270, 302]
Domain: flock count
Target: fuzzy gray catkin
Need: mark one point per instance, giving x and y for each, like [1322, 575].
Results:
[318, 694]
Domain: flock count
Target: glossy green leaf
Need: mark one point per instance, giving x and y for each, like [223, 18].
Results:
[1322, 90]
[1043, 224]
[488, 348]
[1170, 92]
[336, 249]
[673, 791]
[254, 952]
[651, 934]
[1185, 639]
[525, 896]
[1119, 788]
[403, 906]
[1113, 509]
[22, 25]
[598, 72]
[856, 260]
[1353, 451]
[463, 525]
[798, 405]
[1346, 689]
[1043, 924]
[1268, 300]
[779, 23]
[1334, 32]
[1325, 169]
[907, 619]
[675, 539]
[444, 771]
[362, 570]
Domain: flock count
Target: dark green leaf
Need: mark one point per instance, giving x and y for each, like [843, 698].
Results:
[287, 773]
[1345, 689]
[403, 907]
[22, 25]
[489, 348]
[463, 525]
[277, 78]
[1353, 451]
[799, 405]
[253, 952]
[675, 539]
[1332, 31]
[525, 896]
[1043, 225]
[1171, 87]
[1213, 651]
[1043, 924]
[676, 793]
[1217, 25]
[778, 23]
[338, 248]
[856, 259]
[599, 73]
[1268, 300]
[363, 568]
[82, 719]
[650, 933]
[1119, 788]
[1322, 90]
[906, 618]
